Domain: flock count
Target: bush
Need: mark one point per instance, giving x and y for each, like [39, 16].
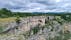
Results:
[1, 29]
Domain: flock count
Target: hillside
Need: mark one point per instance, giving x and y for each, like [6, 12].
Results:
[35, 28]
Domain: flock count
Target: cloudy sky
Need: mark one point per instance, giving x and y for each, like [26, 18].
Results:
[37, 5]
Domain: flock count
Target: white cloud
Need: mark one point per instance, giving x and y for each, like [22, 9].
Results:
[37, 5]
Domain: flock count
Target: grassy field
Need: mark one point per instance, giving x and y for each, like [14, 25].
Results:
[7, 19]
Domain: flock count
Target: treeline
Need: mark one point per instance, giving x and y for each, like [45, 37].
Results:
[5, 13]
[8, 13]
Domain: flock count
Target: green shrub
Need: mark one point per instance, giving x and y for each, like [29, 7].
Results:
[1, 29]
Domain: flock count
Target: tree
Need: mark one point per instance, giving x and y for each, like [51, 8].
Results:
[5, 12]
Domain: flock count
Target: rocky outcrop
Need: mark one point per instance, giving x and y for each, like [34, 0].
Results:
[25, 24]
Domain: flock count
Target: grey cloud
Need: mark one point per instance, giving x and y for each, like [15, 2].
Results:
[37, 5]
